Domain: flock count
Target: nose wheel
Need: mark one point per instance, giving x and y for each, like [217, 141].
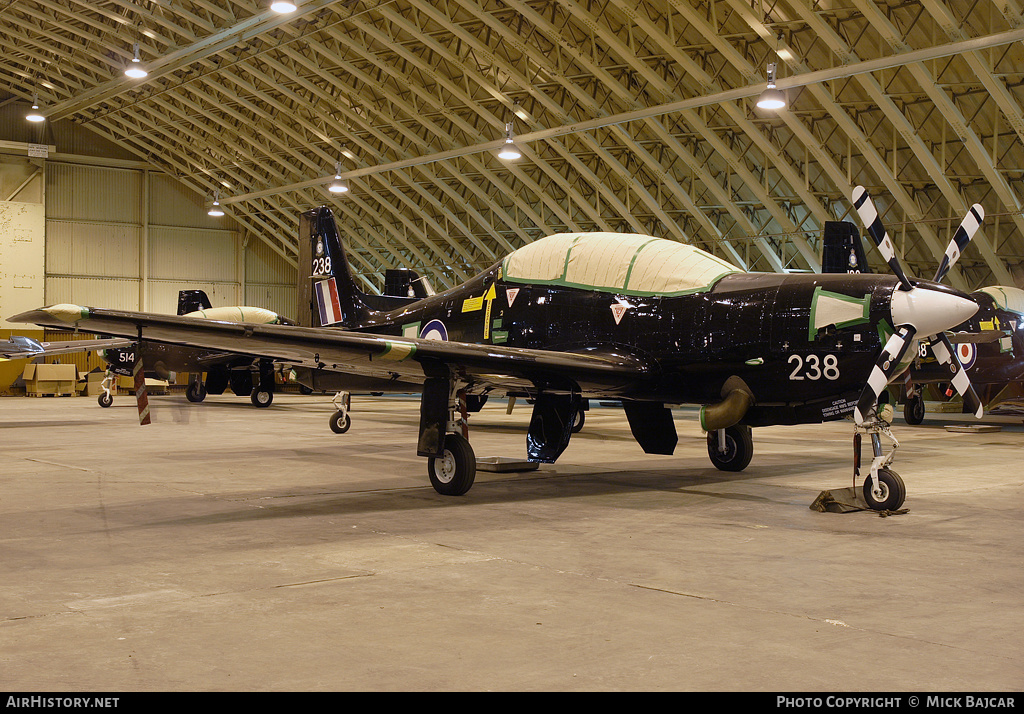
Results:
[883, 489]
[885, 493]
[107, 397]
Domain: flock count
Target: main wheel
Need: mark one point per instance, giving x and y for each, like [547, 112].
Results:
[340, 422]
[913, 410]
[453, 473]
[195, 392]
[105, 400]
[577, 422]
[261, 398]
[739, 448]
[891, 491]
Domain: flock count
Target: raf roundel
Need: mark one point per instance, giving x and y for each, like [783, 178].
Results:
[968, 353]
[434, 330]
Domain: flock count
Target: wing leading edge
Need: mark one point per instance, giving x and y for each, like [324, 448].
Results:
[27, 348]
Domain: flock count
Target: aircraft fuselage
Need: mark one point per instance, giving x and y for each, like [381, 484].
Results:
[758, 327]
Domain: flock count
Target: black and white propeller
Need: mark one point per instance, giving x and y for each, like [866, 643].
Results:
[919, 311]
[964, 233]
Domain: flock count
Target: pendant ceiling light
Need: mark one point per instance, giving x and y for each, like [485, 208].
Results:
[338, 185]
[35, 115]
[771, 98]
[135, 70]
[215, 209]
[509, 152]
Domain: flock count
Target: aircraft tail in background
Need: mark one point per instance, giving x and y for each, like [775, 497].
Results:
[192, 300]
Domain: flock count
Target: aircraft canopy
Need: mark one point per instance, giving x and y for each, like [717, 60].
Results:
[1007, 298]
[620, 263]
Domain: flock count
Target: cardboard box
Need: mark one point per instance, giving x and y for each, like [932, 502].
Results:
[157, 386]
[126, 385]
[94, 384]
[43, 379]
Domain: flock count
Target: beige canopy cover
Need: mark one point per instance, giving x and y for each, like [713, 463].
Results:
[621, 263]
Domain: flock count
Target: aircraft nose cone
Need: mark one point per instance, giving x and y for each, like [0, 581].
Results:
[930, 311]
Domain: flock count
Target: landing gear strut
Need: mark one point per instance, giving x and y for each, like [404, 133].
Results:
[883, 488]
[107, 398]
[340, 420]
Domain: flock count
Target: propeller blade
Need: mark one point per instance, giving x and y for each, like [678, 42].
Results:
[869, 216]
[964, 234]
[883, 370]
[943, 350]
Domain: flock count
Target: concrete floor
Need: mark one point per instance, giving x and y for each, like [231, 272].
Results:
[225, 548]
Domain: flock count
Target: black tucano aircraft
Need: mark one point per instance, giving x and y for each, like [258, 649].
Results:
[646, 321]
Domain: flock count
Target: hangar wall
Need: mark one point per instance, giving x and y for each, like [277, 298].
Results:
[131, 238]
[120, 234]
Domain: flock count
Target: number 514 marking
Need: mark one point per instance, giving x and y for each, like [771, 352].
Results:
[814, 367]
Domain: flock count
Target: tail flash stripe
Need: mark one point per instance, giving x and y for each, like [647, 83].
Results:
[328, 302]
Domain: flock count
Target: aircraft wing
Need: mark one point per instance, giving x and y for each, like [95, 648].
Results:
[380, 356]
[977, 337]
[26, 348]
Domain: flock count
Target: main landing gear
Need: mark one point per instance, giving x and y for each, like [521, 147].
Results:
[452, 470]
[196, 391]
[444, 433]
[262, 379]
[883, 488]
[731, 448]
[913, 408]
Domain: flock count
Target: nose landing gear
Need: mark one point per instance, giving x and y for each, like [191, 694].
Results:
[883, 489]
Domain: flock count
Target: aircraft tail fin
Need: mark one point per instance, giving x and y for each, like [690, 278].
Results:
[192, 300]
[842, 249]
[332, 295]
